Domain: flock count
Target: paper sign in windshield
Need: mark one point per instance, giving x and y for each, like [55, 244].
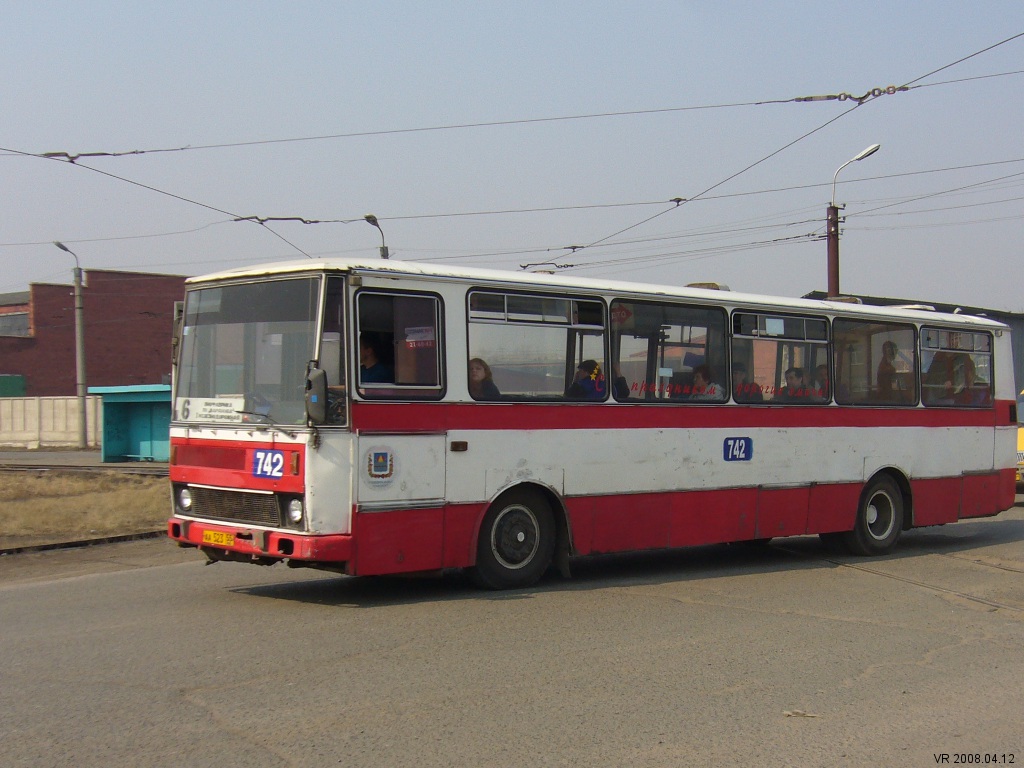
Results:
[221, 410]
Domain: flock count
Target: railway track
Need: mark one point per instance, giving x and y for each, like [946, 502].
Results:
[157, 470]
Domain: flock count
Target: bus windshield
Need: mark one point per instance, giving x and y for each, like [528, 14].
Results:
[244, 352]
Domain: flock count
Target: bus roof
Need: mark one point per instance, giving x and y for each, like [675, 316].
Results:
[566, 282]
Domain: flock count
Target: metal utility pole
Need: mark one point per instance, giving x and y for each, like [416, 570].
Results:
[832, 235]
[83, 433]
[832, 224]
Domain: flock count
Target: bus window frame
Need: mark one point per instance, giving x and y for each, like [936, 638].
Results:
[653, 395]
[893, 325]
[394, 390]
[779, 384]
[337, 414]
[574, 330]
[923, 330]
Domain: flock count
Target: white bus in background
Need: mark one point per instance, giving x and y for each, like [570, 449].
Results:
[379, 417]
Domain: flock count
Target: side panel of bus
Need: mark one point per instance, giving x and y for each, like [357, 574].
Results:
[400, 493]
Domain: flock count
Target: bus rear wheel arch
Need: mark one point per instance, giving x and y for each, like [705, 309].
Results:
[880, 517]
[516, 541]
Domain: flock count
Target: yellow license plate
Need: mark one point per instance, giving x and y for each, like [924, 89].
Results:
[219, 538]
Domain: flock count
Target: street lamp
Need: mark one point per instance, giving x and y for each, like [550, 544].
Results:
[372, 220]
[832, 224]
[83, 440]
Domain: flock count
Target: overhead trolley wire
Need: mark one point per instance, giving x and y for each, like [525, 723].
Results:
[872, 94]
[860, 101]
[163, 192]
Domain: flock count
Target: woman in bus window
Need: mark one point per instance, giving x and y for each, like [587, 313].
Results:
[481, 381]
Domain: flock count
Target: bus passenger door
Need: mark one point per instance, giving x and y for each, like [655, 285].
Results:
[400, 488]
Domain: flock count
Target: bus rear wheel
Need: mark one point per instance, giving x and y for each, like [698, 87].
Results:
[879, 518]
[517, 541]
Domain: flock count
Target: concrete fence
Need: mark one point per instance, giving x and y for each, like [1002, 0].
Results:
[47, 422]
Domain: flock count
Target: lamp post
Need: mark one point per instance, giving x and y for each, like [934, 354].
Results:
[372, 220]
[832, 224]
[83, 439]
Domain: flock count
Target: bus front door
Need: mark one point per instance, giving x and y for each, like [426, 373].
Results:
[400, 490]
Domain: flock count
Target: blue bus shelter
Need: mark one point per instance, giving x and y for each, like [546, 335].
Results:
[136, 422]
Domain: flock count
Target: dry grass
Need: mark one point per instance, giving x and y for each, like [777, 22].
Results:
[60, 506]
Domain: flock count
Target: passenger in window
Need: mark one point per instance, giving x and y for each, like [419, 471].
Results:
[796, 390]
[703, 387]
[974, 392]
[372, 366]
[481, 381]
[588, 383]
[938, 381]
[744, 391]
[887, 371]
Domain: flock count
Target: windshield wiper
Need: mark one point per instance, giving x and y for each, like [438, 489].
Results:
[267, 421]
[264, 416]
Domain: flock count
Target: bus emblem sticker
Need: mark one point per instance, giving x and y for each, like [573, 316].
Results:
[738, 449]
[380, 465]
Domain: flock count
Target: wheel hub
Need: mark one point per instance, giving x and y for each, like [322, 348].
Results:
[879, 517]
[515, 537]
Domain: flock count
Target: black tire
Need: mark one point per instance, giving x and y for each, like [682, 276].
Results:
[517, 541]
[879, 518]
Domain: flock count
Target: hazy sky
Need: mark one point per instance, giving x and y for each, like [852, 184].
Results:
[500, 134]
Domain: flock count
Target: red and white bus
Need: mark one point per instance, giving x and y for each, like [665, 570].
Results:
[379, 417]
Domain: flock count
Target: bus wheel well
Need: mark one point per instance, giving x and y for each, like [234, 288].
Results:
[518, 538]
[904, 487]
[563, 542]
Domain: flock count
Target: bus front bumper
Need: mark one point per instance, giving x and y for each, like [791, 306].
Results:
[259, 544]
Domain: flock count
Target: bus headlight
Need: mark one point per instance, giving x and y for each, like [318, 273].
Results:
[295, 511]
[185, 499]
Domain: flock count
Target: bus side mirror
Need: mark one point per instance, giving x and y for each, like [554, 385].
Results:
[316, 395]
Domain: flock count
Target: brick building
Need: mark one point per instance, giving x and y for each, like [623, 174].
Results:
[127, 319]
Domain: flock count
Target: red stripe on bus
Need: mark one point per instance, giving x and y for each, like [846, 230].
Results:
[440, 417]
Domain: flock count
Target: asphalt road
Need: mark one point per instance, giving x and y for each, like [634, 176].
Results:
[136, 654]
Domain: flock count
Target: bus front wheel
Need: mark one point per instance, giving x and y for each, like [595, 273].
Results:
[879, 519]
[517, 541]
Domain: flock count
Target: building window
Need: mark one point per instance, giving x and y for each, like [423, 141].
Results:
[14, 324]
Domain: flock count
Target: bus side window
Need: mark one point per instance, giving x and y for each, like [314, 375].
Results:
[958, 367]
[533, 345]
[399, 345]
[659, 348]
[788, 359]
[875, 362]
